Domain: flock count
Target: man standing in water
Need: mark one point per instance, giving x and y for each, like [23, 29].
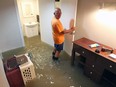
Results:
[58, 33]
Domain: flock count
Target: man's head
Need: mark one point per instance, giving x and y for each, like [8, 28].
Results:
[57, 13]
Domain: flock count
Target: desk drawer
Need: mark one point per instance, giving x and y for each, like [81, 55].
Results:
[91, 60]
[82, 51]
[111, 66]
[92, 74]
[100, 64]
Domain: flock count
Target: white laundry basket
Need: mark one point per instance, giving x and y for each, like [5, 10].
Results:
[27, 70]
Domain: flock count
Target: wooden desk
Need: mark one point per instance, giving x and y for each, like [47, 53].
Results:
[95, 63]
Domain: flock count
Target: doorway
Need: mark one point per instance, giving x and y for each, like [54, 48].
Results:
[29, 18]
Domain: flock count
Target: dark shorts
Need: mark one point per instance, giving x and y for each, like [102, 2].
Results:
[58, 47]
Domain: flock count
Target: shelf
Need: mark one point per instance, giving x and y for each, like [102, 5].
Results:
[108, 81]
[81, 60]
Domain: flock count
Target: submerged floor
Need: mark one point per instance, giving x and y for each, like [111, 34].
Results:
[51, 73]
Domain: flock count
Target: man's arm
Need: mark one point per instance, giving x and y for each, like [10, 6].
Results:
[68, 31]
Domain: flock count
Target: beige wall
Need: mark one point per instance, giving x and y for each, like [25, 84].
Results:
[97, 25]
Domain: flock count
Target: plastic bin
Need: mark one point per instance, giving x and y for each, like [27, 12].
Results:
[26, 68]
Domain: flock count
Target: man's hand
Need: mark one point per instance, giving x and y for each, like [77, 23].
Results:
[69, 30]
[73, 28]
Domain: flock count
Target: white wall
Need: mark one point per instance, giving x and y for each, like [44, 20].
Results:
[96, 25]
[10, 32]
[46, 8]
[3, 80]
[68, 8]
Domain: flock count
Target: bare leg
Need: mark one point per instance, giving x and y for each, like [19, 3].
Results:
[54, 50]
[57, 54]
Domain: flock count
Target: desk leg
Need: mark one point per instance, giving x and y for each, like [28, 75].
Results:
[73, 57]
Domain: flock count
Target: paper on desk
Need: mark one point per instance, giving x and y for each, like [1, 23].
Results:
[94, 45]
[112, 56]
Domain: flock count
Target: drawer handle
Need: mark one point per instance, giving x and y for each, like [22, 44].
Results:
[83, 52]
[110, 66]
[92, 65]
[90, 72]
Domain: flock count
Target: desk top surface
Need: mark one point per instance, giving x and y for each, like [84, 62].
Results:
[84, 42]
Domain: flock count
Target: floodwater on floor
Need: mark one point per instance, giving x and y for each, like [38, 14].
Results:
[50, 73]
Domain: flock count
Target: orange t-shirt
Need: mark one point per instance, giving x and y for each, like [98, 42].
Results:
[57, 28]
